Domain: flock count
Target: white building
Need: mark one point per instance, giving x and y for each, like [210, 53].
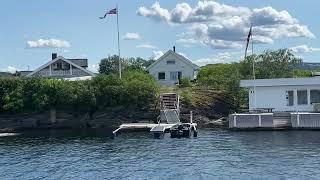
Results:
[287, 94]
[60, 67]
[171, 67]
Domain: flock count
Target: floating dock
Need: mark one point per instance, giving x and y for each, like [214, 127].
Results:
[169, 117]
[275, 121]
[156, 129]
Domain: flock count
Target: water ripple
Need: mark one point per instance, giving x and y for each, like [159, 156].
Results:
[215, 154]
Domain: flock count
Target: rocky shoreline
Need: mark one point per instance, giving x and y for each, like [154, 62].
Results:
[65, 120]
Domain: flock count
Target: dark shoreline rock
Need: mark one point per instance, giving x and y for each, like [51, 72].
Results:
[41, 121]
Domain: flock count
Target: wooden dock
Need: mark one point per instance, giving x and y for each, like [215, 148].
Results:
[168, 118]
[141, 126]
[275, 121]
[151, 127]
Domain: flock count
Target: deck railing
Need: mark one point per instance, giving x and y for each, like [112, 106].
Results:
[46, 73]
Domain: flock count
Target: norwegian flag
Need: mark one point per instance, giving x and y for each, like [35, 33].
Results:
[248, 40]
[112, 11]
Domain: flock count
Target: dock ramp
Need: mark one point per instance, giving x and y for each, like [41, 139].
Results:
[169, 108]
[171, 116]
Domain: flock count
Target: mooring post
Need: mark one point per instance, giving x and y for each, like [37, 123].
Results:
[191, 117]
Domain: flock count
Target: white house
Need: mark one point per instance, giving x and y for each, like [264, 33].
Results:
[286, 94]
[60, 67]
[171, 67]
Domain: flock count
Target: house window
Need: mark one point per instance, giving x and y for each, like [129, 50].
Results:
[173, 75]
[171, 62]
[66, 66]
[302, 97]
[161, 76]
[58, 66]
[314, 96]
[289, 98]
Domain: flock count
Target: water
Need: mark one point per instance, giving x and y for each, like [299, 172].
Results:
[215, 154]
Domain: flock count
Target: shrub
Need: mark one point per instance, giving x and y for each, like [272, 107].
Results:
[185, 82]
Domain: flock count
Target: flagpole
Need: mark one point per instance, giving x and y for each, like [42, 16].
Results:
[253, 70]
[118, 42]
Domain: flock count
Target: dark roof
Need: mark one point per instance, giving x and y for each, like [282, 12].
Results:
[5, 74]
[24, 73]
[80, 62]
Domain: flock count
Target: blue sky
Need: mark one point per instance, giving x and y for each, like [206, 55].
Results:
[203, 31]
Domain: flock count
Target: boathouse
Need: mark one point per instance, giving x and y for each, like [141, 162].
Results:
[280, 103]
[285, 94]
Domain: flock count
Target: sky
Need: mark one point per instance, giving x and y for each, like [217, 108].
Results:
[205, 31]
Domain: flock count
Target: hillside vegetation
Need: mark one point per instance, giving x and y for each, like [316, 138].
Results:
[136, 89]
[216, 92]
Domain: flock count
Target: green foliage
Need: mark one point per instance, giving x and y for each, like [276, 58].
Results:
[137, 63]
[186, 96]
[302, 73]
[219, 76]
[185, 82]
[270, 64]
[110, 65]
[135, 89]
[223, 77]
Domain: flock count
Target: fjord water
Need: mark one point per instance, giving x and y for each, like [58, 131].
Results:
[215, 154]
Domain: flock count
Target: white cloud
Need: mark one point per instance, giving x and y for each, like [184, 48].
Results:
[155, 12]
[188, 41]
[48, 43]
[304, 49]
[225, 57]
[10, 69]
[146, 46]
[131, 36]
[93, 67]
[224, 26]
[156, 55]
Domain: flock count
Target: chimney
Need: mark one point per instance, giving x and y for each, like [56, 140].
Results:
[54, 55]
[174, 48]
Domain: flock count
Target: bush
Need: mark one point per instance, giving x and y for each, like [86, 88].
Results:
[137, 89]
[185, 82]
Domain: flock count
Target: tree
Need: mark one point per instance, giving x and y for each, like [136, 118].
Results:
[110, 65]
[135, 63]
[270, 64]
[226, 78]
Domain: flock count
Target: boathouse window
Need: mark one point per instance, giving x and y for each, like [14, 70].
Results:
[171, 62]
[314, 96]
[161, 76]
[302, 97]
[290, 98]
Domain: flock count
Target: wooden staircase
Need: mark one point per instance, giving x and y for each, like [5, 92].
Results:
[169, 108]
[281, 120]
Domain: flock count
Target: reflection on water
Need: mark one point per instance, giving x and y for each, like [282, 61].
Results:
[214, 154]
